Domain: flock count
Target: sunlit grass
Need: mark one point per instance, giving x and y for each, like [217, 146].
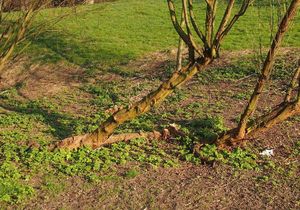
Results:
[115, 32]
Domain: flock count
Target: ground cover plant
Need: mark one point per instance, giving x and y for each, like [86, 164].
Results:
[55, 101]
[200, 57]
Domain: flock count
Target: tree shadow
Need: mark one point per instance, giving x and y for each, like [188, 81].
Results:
[55, 46]
[61, 124]
[204, 130]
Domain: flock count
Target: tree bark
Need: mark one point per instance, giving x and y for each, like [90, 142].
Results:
[101, 135]
[210, 20]
[279, 114]
[267, 69]
[180, 46]
[293, 84]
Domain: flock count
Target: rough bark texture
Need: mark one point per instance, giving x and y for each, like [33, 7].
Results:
[210, 20]
[277, 115]
[100, 136]
[293, 84]
[211, 44]
[267, 69]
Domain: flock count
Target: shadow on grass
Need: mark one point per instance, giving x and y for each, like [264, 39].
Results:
[205, 130]
[53, 47]
[61, 125]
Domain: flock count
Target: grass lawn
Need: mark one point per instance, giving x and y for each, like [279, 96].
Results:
[114, 33]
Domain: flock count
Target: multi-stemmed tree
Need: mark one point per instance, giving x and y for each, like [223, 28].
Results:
[13, 30]
[16, 20]
[290, 105]
[201, 55]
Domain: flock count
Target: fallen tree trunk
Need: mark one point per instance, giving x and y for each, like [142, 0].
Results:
[206, 55]
[171, 132]
[101, 135]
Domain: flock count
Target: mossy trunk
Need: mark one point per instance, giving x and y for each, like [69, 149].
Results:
[276, 116]
[267, 69]
[101, 135]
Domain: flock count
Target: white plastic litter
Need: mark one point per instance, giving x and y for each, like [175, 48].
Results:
[267, 152]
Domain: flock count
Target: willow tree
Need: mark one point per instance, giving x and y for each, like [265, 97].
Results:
[201, 55]
[16, 20]
[288, 107]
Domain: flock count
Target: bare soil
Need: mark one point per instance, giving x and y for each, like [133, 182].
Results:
[188, 186]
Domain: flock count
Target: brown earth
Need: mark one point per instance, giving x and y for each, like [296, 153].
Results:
[188, 186]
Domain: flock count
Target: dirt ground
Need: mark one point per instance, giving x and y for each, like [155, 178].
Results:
[187, 186]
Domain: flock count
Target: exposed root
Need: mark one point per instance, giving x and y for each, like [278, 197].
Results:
[75, 142]
[71, 142]
[227, 141]
[130, 136]
[276, 116]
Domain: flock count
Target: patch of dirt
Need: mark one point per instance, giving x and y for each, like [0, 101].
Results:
[188, 186]
[38, 81]
[41, 80]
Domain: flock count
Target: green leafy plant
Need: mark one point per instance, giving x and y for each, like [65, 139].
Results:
[131, 173]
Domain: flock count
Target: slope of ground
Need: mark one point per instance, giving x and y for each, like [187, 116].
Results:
[145, 174]
[87, 65]
[112, 33]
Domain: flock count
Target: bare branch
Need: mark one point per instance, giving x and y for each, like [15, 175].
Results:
[177, 27]
[195, 26]
[210, 20]
[180, 46]
[242, 11]
[194, 46]
[224, 22]
[187, 25]
[276, 115]
[293, 84]
[15, 34]
[17, 31]
[267, 68]
[186, 37]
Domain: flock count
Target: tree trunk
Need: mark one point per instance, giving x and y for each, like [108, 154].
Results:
[277, 115]
[206, 53]
[180, 46]
[267, 69]
[101, 135]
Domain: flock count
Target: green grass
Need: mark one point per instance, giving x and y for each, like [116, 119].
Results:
[21, 165]
[40, 121]
[113, 33]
